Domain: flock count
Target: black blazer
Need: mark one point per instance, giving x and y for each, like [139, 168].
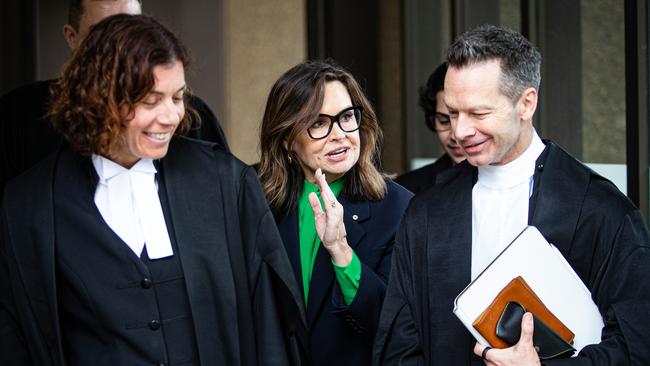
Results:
[340, 334]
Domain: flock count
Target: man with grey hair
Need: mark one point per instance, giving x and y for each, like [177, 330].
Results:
[511, 179]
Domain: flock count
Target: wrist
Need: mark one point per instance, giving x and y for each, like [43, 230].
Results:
[342, 255]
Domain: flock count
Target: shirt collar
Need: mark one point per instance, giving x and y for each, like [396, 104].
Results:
[107, 169]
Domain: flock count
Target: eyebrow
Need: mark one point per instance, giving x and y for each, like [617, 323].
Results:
[182, 88]
[341, 111]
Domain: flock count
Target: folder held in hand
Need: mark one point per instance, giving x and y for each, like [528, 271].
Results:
[547, 274]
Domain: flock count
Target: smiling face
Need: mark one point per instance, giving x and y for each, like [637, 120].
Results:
[489, 127]
[152, 124]
[339, 151]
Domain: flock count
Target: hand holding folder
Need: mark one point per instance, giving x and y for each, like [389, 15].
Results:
[551, 280]
[500, 322]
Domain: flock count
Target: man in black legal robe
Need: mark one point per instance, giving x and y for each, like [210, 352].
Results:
[595, 227]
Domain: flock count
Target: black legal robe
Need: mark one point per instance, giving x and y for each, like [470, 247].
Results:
[597, 229]
[422, 178]
[244, 300]
[27, 137]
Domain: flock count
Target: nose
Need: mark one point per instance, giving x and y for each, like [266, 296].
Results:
[462, 128]
[170, 113]
[337, 133]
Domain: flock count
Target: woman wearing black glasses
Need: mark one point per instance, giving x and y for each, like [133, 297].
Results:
[337, 212]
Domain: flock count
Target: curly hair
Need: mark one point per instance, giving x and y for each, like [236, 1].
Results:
[107, 76]
[293, 104]
[519, 60]
[428, 93]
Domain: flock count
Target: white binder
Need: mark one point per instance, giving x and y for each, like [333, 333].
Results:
[549, 275]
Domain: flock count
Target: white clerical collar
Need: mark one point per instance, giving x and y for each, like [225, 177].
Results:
[107, 169]
[128, 201]
[516, 171]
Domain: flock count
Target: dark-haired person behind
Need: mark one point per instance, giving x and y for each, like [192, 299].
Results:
[26, 136]
[436, 117]
[336, 211]
[133, 246]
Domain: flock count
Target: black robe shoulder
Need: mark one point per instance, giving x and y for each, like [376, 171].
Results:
[244, 299]
[597, 229]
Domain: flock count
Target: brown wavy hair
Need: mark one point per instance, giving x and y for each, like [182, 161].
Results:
[293, 104]
[107, 76]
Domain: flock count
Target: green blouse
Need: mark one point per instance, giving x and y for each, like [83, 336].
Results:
[349, 276]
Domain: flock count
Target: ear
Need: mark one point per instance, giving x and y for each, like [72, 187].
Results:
[285, 144]
[528, 104]
[70, 35]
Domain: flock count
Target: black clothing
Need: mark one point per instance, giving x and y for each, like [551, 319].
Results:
[597, 229]
[133, 309]
[244, 300]
[26, 137]
[422, 178]
[341, 334]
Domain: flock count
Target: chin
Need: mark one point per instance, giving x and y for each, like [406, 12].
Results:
[156, 155]
[337, 172]
[478, 160]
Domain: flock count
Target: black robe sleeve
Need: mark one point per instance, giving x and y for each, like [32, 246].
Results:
[398, 340]
[207, 127]
[620, 287]
[13, 348]
[277, 315]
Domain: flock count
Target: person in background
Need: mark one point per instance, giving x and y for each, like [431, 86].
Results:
[437, 119]
[132, 245]
[510, 179]
[336, 211]
[26, 137]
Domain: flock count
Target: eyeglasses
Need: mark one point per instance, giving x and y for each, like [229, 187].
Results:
[348, 120]
[439, 122]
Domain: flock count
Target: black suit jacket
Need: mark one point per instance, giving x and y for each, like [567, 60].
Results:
[422, 178]
[597, 229]
[26, 137]
[340, 334]
[243, 296]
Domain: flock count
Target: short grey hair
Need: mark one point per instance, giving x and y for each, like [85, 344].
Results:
[519, 60]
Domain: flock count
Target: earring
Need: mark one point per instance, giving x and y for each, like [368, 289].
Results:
[289, 156]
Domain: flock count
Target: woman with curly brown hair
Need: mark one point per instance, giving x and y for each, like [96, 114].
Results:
[131, 245]
[336, 211]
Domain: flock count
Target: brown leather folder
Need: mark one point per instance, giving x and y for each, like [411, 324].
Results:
[518, 291]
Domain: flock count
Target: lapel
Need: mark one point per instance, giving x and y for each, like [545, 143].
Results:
[322, 278]
[560, 184]
[449, 252]
[198, 218]
[288, 228]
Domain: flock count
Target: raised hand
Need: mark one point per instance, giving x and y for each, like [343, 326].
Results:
[329, 224]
